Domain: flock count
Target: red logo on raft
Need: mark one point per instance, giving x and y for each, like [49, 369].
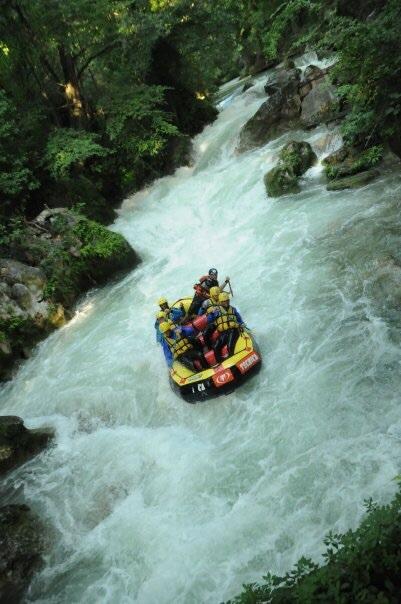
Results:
[248, 362]
[222, 377]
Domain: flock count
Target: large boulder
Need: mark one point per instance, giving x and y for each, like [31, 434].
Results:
[295, 159]
[319, 105]
[311, 77]
[299, 156]
[21, 547]
[17, 444]
[281, 180]
[276, 115]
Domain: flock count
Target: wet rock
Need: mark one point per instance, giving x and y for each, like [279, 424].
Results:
[286, 80]
[294, 160]
[21, 548]
[299, 156]
[353, 182]
[276, 115]
[17, 444]
[247, 86]
[311, 77]
[281, 180]
[337, 157]
[348, 161]
[319, 105]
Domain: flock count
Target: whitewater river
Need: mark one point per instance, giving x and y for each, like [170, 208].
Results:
[148, 499]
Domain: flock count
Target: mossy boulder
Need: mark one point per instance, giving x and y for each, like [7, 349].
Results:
[18, 444]
[295, 159]
[281, 180]
[348, 161]
[53, 260]
[353, 182]
[21, 547]
[299, 156]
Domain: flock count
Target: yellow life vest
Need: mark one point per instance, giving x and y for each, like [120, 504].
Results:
[178, 347]
[226, 319]
[212, 308]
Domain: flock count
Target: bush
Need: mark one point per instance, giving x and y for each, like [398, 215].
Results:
[361, 566]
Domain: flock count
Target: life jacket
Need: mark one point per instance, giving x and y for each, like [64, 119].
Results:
[178, 347]
[212, 307]
[226, 319]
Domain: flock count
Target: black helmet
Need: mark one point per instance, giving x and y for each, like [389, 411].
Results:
[213, 273]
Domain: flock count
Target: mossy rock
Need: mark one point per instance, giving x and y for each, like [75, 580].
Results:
[298, 156]
[353, 182]
[295, 159]
[281, 180]
[348, 161]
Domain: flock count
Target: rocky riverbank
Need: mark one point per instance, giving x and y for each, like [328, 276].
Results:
[22, 541]
[45, 265]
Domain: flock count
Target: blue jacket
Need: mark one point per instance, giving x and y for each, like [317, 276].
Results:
[159, 336]
[168, 355]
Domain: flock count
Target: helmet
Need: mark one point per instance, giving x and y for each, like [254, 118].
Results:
[165, 326]
[161, 314]
[224, 297]
[162, 301]
[213, 273]
[214, 293]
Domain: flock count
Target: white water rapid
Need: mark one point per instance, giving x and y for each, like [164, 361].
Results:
[151, 500]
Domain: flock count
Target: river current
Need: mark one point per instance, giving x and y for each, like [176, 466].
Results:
[151, 500]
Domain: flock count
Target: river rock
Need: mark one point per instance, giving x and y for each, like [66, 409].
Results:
[276, 115]
[295, 159]
[21, 548]
[281, 180]
[353, 182]
[310, 78]
[18, 444]
[299, 156]
[349, 161]
[319, 105]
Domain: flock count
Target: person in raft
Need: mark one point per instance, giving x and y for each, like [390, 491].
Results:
[173, 313]
[160, 318]
[178, 345]
[202, 289]
[212, 300]
[228, 321]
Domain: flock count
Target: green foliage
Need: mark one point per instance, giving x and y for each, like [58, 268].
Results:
[360, 566]
[69, 149]
[97, 241]
[16, 178]
[288, 20]
[94, 101]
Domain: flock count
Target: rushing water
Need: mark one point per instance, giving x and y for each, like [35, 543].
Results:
[151, 500]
